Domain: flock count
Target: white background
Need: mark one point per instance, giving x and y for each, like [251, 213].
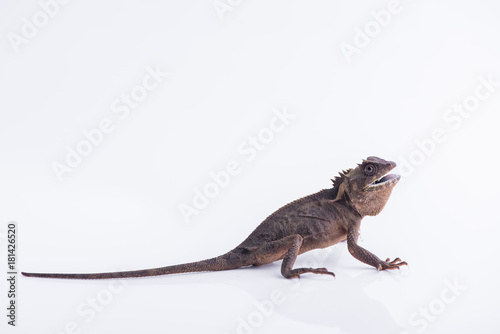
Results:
[119, 208]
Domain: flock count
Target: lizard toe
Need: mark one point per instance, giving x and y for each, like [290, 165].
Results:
[390, 265]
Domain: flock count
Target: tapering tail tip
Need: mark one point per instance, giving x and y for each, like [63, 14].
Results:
[67, 276]
[34, 274]
[84, 276]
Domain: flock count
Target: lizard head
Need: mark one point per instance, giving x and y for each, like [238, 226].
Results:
[368, 186]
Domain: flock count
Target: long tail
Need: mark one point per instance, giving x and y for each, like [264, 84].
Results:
[223, 262]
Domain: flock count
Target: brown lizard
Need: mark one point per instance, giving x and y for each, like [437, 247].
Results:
[316, 221]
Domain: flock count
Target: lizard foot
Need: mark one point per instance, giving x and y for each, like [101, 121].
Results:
[389, 265]
[295, 273]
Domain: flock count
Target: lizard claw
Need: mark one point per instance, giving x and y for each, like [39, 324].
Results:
[389, 265]
[393, 261]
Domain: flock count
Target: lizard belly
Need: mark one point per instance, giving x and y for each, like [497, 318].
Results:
[320, 234]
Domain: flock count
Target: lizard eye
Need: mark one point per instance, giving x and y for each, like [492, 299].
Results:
[369, 169]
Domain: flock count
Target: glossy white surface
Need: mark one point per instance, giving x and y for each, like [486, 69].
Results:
[119, 207]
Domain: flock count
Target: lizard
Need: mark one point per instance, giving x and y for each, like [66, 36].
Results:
[316, 221]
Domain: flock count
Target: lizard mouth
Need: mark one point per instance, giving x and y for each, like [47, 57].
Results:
[384, 181]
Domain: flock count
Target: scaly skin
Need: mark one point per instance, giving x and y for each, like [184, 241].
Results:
[316, 221]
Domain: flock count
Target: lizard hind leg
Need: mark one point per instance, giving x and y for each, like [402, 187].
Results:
[287, 249]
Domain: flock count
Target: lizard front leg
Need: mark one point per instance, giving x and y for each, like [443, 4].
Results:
[365, 256]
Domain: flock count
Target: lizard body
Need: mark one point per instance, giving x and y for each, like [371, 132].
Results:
[315, 221]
